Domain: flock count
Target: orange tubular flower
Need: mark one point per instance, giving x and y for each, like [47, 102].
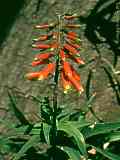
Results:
[70, 48]
[46, 71]
[75, 74]
[72, 33]
[43, 73]
[73, 44]
[32, 75]
[44, 26]
[54, 46]
[41, 38]
[41, 46]
[43, 56]
[36, 63]
[65, 82]
[71, 37]
[72, 76]
[62, 55]
[77, 85]
[78, 60]
[55, 35]
[67, 69]
[69, 17]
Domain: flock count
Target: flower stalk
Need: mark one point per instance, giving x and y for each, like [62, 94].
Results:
[55, 89]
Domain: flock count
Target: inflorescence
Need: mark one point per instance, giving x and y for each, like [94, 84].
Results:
[63, 44]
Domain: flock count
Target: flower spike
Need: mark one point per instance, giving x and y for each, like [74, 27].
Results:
[66, 44]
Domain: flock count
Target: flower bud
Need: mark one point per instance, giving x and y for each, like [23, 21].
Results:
[44, 26]
[72, 25]
[70, 48]
[41, 46]
[69, 17]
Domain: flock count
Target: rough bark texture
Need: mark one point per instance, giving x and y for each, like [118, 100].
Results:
[16, 56]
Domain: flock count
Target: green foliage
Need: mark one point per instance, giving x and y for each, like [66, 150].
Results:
[33, 140]
[72, 153]
[72, 131]
[75, 136]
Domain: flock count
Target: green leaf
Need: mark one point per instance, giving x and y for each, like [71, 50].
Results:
[88, 84]
[88, 104]
[65, 114]
[19, 115]
[78, 125]
[30, 143]
[101, 128]
[4, 144]
[46, 110]
[72, 131]
[72, 153]
[36, 129]
[106, 154]
[46, 130]
[115, 136]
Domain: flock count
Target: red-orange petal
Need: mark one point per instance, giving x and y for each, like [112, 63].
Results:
[41, 38]
[44, 26]
[69, 17]
[72, 43]
[76, 84]
[75, 74]
[72, 33]
[43, 56]
[65, 82]
[62, 55]
[78, 60]
[67, 69]
[35, 63]
[70, 48]
[41, 46]
[54, 45]
[46, 71]
[32, 75]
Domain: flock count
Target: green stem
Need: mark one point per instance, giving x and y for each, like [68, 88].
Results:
[55, 90]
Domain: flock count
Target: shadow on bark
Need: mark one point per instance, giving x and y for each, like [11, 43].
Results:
[8, 14]
[99, 24]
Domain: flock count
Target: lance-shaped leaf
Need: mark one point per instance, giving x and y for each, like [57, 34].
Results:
[30, 143]
[72, 131]
[72, 153]
[101, 128]
[46, 130]
[107, 154]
